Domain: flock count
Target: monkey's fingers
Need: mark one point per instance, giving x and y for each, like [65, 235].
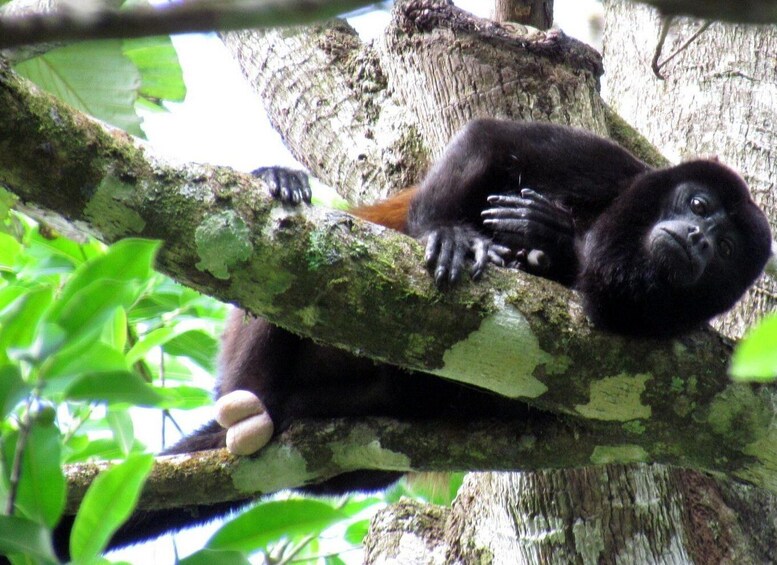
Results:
[480, 248]
[248, 425]
[527, 218]
[287, 185]
[499, 254]
[523, 232]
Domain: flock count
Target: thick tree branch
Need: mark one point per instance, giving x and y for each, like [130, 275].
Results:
[741, 11]
[342, 281]
[180, 17]
[67, 25]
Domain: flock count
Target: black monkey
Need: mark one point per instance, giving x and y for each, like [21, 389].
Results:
[653, 252]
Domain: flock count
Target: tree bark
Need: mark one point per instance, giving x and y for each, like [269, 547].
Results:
[613, 514]
[536, 13]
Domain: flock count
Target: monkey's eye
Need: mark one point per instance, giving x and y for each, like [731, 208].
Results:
[698, 206]
[725, 248]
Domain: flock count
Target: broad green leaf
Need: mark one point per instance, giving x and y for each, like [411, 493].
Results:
[755, 358]
[113, 387]
[272, 521]
[84, 314]
[357, 504]
[356, 532]
[212, 556]
[12, 389]
[104, 448]
[42, 247]
[9, 251]
[115, 332]
[183, 397]
[108, 502]
[94, 77]
[333, 560]
[10, 294]
[83, 357]
[160, 71]
[128, 259]
[41, 490]
[21, 536]
[147, 342]
[19, 321]
[198, 345]
[122, 428]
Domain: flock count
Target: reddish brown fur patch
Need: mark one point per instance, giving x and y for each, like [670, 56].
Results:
[391, 212]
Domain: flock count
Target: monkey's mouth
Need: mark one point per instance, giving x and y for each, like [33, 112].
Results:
[676, 241]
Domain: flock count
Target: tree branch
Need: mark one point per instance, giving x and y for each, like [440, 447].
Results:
[181, 17]
[742, 11]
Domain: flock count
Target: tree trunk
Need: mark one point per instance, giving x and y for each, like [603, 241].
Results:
[536, 13]
[614, 514]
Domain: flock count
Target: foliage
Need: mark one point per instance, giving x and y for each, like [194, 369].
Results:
[755, 358]
[108, 79]
[87, 332]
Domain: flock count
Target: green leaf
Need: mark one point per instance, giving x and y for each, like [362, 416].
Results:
[19, 321]
[211, 556]
[122, 428]
[183, 397]
[271, 521]
[9, 252]
[198, 345]
[41, 491]
[104, 448]
[21, 536]
[147, 342]
[107, 504]
[81, 358]
[157, 61]
[356, 532]
[755, 358]
[88, 309]
[12, 389]
[114, 387]
[127, 260]
[115, 332]
[94, 77]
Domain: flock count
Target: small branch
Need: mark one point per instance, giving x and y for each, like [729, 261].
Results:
[182, 17]
[313, 451]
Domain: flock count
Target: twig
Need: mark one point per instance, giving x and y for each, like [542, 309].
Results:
[656, 66]
[191, 16]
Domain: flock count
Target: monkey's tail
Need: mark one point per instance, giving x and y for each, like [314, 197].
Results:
[391, 212]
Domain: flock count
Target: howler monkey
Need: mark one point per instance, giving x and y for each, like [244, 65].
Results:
[654, 252]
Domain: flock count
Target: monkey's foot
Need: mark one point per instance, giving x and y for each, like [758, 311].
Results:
[246, 420]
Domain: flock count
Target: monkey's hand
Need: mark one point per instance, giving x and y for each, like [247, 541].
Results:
[287, 185]
[539, 233]
[450, 248]
[245, 418]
